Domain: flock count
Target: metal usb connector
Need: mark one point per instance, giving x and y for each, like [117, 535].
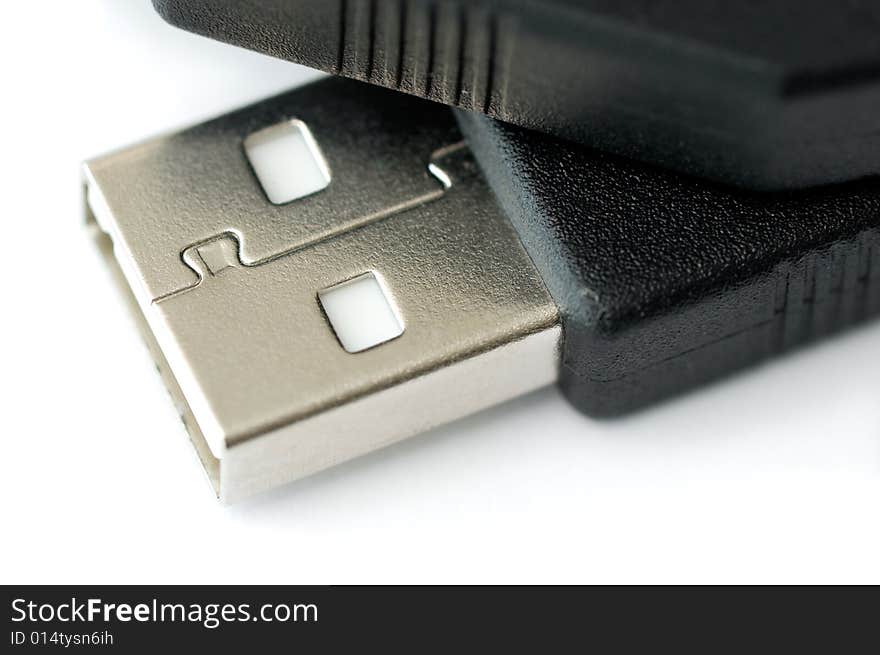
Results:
[340, 282]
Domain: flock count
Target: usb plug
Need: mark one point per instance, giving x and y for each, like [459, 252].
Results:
[327, 272]
[320, 275]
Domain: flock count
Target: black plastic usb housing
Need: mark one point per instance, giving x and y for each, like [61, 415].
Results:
[771, 95]
[666, 282]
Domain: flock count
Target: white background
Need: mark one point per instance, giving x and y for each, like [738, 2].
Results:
[771, 476]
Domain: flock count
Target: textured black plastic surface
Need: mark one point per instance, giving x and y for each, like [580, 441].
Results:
[666, 282]
[766, 95]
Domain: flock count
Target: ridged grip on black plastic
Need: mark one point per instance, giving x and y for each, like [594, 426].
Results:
[666, 282]
[765, 95]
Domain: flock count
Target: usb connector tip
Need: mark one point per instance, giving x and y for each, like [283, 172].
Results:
[374, 312]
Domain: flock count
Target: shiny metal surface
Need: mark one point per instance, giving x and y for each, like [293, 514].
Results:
[228, 285]
[186, 187]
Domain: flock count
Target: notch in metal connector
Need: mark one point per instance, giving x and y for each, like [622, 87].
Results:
[297, 336]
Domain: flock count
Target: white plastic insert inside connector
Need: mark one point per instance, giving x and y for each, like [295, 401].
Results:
[361, 313]
[287, 161]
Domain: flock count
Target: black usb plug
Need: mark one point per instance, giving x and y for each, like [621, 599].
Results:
[327, 272]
